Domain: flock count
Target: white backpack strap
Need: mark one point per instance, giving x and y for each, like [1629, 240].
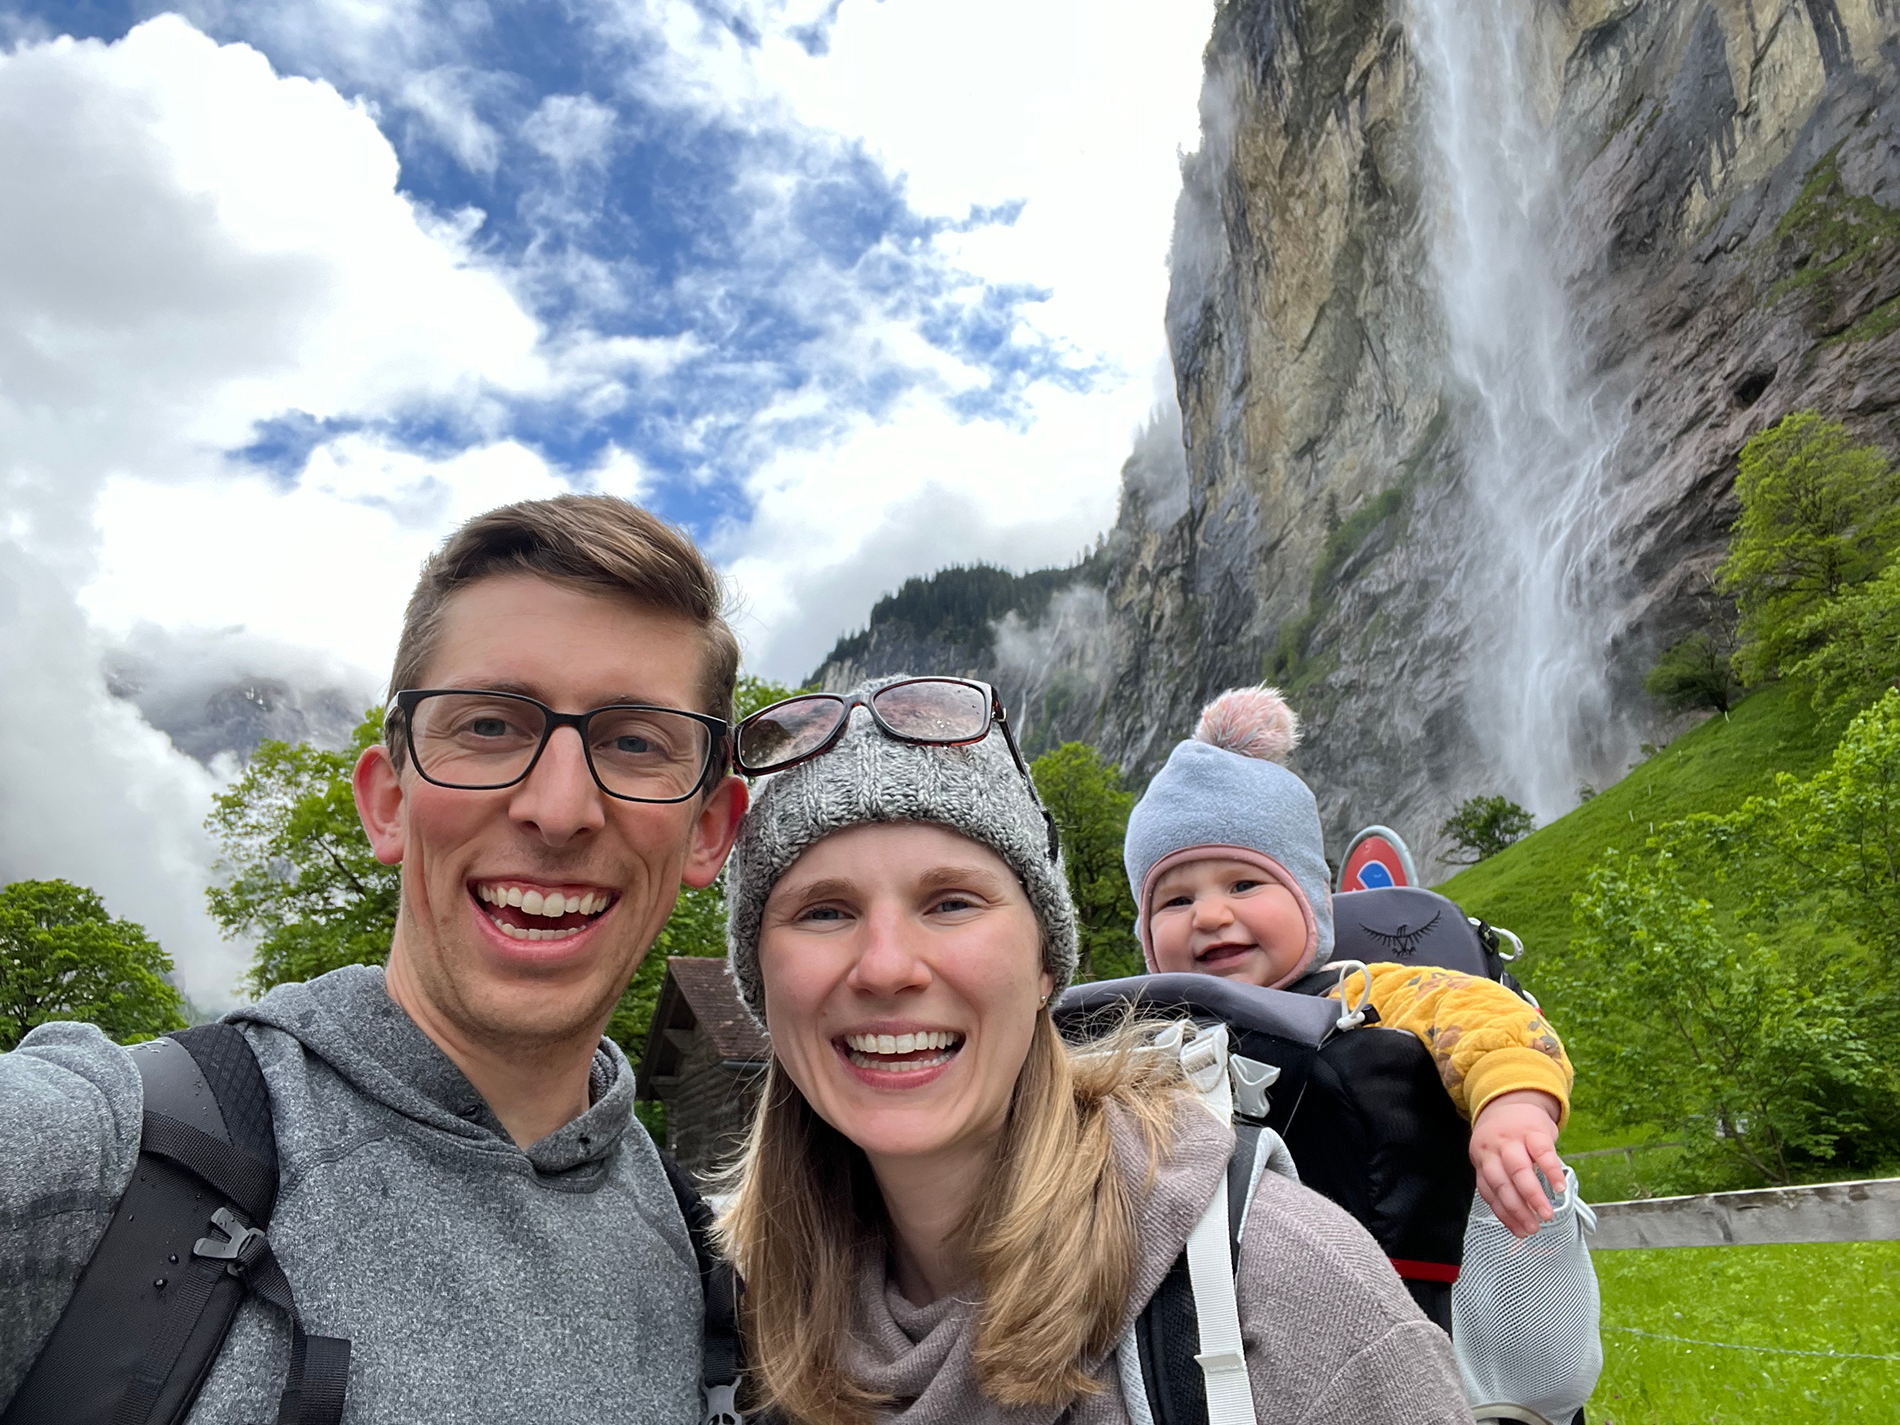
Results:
[1210, 1263]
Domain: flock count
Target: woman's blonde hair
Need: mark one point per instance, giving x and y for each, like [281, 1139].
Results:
[1052, 1232]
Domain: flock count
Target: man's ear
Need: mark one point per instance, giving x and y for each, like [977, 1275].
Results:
[378, 788]
[716, 828]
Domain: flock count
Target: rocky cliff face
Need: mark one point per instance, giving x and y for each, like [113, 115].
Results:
[1453, 481]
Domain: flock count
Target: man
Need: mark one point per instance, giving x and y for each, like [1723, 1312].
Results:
[464, 1194]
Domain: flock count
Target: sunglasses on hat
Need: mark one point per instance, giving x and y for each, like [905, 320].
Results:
[924, 712]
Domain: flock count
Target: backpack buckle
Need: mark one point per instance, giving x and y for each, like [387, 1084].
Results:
[722, 1406]
[240, 1247]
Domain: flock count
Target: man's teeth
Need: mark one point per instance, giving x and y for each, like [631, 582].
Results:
[902, 1043]
[514, 934]
[551, 904]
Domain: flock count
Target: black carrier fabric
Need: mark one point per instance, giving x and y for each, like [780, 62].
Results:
[1407, 925]
[155, 1302]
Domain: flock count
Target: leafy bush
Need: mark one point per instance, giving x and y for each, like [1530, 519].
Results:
[1484, 826]
[1732, 1045]
[1767, 1035]
[1696, 672]
[63, 957]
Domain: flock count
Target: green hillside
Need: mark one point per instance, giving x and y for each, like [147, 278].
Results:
[1528, 886]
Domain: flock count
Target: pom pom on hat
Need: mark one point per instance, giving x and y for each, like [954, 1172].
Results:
[1254, 722]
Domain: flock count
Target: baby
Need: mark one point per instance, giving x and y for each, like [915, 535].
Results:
[1225, 857]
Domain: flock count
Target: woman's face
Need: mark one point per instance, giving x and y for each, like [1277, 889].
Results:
[903, 972]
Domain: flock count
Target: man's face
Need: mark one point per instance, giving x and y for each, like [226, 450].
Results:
[469, 858]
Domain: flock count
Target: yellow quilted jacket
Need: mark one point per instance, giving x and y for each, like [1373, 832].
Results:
[1484, 1039]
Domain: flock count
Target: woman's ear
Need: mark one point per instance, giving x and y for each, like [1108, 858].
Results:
[1045, 986]
[378, 788]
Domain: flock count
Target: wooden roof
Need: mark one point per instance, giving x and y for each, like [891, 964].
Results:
[697, 996]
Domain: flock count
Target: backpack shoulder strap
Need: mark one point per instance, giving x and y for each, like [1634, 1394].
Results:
[155, 1302]
[722, 1352]
[1196, 1303]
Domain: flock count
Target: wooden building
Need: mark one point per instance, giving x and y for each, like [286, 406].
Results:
[705, 1060]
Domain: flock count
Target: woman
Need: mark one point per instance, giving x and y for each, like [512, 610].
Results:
[944, 1214]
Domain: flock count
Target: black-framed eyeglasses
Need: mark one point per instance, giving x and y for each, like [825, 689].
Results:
[927, 712]
[477, 740]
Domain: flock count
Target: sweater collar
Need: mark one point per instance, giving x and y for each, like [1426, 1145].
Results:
[921, 1356]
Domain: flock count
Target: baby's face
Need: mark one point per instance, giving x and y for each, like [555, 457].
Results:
[1226, 917]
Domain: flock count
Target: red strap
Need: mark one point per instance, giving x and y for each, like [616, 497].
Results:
[1424, 1271]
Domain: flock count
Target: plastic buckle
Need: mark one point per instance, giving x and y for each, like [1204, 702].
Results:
[722, 1406]
[241, 1245]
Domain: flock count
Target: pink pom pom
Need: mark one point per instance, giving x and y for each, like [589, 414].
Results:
[1255, 722]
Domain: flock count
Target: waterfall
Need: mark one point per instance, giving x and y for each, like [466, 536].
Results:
[1535, 575]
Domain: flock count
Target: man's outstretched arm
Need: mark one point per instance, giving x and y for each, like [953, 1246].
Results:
[70, 1105]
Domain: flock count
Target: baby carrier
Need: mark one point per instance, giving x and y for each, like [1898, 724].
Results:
[1368, 1123]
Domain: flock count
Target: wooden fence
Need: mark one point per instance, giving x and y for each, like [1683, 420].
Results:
[1867, 1211]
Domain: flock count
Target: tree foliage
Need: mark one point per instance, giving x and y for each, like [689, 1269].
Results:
[1766, 1035]
[1695, 672]
[1090, 806]
[63, 957]
[1855, 643]
[302, 879]
[1819, 514]
[1484, 826]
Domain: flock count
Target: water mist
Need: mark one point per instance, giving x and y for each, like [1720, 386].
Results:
[1534, 441]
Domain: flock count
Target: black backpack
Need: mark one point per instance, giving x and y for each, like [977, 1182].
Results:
[187, 1243]
[1362, 1109]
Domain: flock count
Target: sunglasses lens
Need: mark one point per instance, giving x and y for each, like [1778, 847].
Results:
[787, 731]
[933, 709]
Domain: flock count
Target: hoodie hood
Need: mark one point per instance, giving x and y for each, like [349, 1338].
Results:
[348, 1021]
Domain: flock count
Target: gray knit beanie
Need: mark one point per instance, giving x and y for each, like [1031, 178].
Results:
[1225, 791]
[975, 791]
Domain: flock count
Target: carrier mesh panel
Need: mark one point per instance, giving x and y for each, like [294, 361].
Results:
[1524, 1314]
[230, 1068]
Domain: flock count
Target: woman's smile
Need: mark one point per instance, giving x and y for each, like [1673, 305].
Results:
[903, 969]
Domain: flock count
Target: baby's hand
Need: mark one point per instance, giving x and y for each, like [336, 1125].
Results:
[1514, 1135]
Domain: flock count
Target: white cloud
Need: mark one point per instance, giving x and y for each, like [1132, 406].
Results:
[440, 98]
[833, 529]
[1077, 109]
[191, 244]
[329, 564]
[570, 129]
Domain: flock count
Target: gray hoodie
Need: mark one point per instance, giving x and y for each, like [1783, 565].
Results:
[1330, 1335]
[475, 1280]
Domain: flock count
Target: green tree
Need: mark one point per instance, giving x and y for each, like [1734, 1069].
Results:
[63, 957]
[1767, 1032]
[1855, 640]
[1695, 672]
[1484, 826]
[1085, 795]
[302, 877]
[1753, 1059]
[1819, 513]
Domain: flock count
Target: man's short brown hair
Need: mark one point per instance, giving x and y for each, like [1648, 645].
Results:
[597, 543]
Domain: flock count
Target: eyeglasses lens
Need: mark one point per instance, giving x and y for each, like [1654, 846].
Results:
[788, 731]
[938, 711]
[478, 740]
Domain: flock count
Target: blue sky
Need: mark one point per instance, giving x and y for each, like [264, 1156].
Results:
[853, 289]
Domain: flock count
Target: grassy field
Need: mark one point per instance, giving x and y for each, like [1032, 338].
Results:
[1528, 886]
[1712, 768]
[1826, 1317]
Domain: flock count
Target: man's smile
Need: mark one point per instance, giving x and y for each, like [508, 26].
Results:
[533, 910]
